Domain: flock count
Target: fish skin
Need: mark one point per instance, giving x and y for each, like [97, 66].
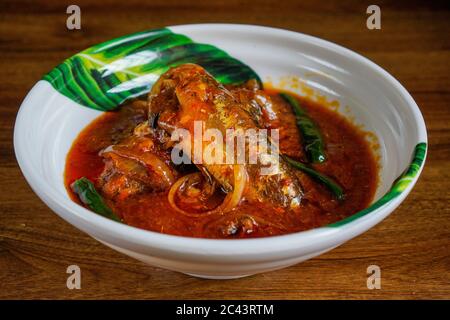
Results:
[188, 93]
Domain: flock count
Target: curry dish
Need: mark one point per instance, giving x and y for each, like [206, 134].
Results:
[121, 165]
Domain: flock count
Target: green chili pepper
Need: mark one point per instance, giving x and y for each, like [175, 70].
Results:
[328, 182]
[85, 190]
[312, 138]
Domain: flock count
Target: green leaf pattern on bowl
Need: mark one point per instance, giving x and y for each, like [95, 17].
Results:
[399, 185]
[108, 74]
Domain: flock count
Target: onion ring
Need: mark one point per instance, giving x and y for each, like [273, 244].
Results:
[231, 200]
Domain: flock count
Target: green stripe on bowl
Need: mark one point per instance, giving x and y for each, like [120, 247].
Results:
[106, 75]
[399, 185]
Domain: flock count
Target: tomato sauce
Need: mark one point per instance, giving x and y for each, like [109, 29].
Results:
[350, 162]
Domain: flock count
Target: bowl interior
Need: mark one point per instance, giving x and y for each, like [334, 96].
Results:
[288, 60]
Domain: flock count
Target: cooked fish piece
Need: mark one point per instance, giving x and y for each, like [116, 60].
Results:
[135, 165]
[188, 93]
[271, 112]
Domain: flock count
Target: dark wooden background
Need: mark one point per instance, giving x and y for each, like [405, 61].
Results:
[411, 246]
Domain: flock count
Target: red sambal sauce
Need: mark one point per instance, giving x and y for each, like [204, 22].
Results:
[350, 161]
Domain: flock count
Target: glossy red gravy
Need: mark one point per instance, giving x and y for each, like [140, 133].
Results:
[351, 163]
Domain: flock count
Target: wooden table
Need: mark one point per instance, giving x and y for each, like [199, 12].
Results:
[411, 246]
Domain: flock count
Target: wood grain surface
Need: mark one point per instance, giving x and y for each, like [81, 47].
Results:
[411, 246]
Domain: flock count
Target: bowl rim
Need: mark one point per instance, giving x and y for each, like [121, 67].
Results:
[312, 238]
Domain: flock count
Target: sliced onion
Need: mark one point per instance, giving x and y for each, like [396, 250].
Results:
[174, 190]
[240, 181]
[231, 200]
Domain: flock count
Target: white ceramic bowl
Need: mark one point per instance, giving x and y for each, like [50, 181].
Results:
[48, 122]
